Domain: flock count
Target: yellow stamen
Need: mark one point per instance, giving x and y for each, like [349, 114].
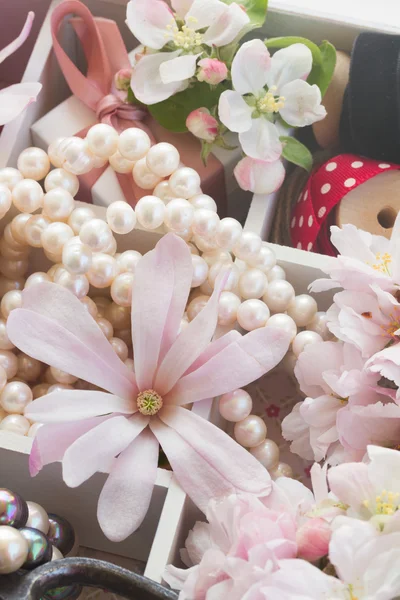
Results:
[270, 103]
[382, 264]
[149, 403]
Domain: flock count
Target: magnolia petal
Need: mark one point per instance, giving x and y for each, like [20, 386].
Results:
[17, 43]
[213, 349]
[261, 141]
[181, 7]
[148, 21]
[126, 495]
[89, 453]
[162, 284]
[250, 67]
[258, 176]
[146, 81]
[178, 69]
[234, 112]
[288, 64]
[302, 103]
[15, 98]
[55, 329]
[237, 365]
[227, 27]
[204, 13]
[75, 405]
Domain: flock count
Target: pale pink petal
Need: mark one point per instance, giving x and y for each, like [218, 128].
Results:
[162, 284]
[302, 104]
[90, 452]
[15, 98]
[313, 362]
[258, 176]
[126, 495]
[303, 581]
[296, 430]
[181, 7]
[313, 539]
[52, 440]
[319, 482]
[146, 81]
[17, 43]
[213, 349]
[75, 405]
[234, 112]
[178, 69]
[250, 67]
[237, 365]
[148, 21]
[227, 27]
[176, 578]
[203, 13]
[219, 450]
[288, 64]
[347, 543]
[384, 468]
[261, 141]
[197, 543]
[350, 483]
[377, 424]
[191, 342]
[55, 328]
[289, 496]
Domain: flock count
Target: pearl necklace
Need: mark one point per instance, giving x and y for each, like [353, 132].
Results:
[84, 252]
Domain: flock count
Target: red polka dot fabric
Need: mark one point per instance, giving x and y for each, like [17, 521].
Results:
[325, 188]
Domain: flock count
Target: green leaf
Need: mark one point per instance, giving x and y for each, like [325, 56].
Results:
[322, 74]
[284, 42]
[295, 152]
[256, 10]
[172, 113]
[206, 148]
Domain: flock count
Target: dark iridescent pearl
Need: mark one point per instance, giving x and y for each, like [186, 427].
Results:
[61, 534]
[40, 550]
[70, 592]
[13, 509]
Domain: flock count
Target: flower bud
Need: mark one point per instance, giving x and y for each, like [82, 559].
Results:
[202, 125]
[313, 539]
[212, 71]
[122, 79]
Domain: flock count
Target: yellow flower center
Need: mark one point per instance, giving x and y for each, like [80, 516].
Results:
[185, 37]
[382, 264]
[387, 503]
[149, 403]
[393, 326]
[270, 103]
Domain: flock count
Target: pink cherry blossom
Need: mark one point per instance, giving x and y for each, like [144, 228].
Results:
[313, 539]
[258, 176]
[86, 430]
[202, 125]
[212, 71]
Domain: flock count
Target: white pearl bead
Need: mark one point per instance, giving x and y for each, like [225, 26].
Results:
[10, 177]
[37, 517]
[248, 246]
[134, 143]
[186, 234]
[179, 215]
[13, 550]
[267, 453]
[250, 432]
[252, 314]
[163, 191]
[63, 377]
[281, 470]
[205, 223]
[10, 301]
[303, 339]
[121, 289]
[121, 164]
[15, 424]
[235, 406]
[284, 322]
[13, 268]
[33, 163]
[120, 348]
[205, 244]
[33, 429]
[200, 270]
[203, 201]
[319, 324]
[14, 232]
[79, 217]
[60, 178]
[302, 309]
[228, 305]
[228, 233]
[163, 159]
[127, 261]
[150, 212]
[55, 236]
[90, 306]
[15, 397]
[217, 256]
[27, 196]
[185, 182]
[278, 295]
[195, 306]
[58, 204]
[29, 369]
[221, 267]
[276, 273]
[59, 387]
[77, 284]
[77, 257]
[121, 217]
[98, 162]
[125, 335]
[119, 316]
[143, 177]
[34, 228]
[105, 327]
[5, 199]
[9, 362]
[193, 249]
[265, 259]
[102, 140]
[252, 283]
[96, 234]
[206, 288]
[5, 344]
[102, 271]
[77, 157]
[53, 152]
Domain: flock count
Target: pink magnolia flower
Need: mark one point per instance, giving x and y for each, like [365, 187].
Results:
[202, 125]
[258, 176]
[212, 71]
[86, 430]
[15, 98]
